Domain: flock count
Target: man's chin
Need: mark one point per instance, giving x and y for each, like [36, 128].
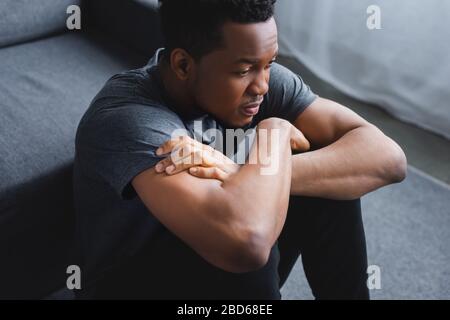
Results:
[242, 122]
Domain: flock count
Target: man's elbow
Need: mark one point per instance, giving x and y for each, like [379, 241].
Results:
[248, 261]
[396, 167]
[252, 253]
[248, 243]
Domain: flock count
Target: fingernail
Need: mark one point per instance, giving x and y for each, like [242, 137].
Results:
[169, 169]
[158, 167]
[158, 151]
[193, 170]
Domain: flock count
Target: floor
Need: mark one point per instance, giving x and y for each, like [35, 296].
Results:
[426, 151]
[407, 235]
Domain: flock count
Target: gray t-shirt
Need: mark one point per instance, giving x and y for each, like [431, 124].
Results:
[117, 139]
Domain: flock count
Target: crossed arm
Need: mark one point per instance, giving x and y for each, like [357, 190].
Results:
[233, 218]
[232, 223]
[349, 158]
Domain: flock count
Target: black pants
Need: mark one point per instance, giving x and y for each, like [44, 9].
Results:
[328, 234]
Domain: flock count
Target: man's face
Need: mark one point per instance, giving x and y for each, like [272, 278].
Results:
[230, 82]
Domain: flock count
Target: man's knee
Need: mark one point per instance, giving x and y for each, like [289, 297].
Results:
[209, 282]
[259, 284]
[299, 202]
[310, 212]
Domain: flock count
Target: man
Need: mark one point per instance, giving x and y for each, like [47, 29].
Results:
[151, 226]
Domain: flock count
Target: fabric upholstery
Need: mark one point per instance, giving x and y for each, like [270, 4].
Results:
[24, 20]
[45, 87]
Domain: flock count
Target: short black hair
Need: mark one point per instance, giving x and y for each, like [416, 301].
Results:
[195, 25]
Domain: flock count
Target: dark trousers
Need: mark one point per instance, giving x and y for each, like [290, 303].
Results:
[328, 234]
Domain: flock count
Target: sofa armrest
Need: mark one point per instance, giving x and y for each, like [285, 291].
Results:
[135, 23]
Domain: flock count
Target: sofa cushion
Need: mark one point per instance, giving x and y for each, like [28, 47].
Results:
[45, 87]
[22, 20]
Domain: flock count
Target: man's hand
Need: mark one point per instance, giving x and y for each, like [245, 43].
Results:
[203, 161]
[199, 159]
[298, 141]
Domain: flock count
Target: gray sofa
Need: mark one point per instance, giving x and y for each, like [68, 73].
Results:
[48, 76]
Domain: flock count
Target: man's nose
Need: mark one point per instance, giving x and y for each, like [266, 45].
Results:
[260, 84]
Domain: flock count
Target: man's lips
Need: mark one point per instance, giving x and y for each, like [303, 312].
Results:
[250, 109]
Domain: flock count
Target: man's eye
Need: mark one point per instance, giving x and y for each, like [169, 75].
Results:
[243, 72]
[270, 64]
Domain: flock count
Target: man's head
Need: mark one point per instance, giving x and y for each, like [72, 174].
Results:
[221, 51]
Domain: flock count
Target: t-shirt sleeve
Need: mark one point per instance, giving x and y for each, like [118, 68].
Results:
[116, 144]
[288, 95]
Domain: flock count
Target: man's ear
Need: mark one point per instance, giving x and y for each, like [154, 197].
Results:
[181, 63]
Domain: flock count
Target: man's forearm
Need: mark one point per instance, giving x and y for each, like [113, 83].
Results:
[261, 200]
[361, 161]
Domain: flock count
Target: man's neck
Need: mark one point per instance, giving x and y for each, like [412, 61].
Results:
[178, 93]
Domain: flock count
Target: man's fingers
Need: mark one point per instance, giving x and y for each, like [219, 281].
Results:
[208, 173]
[186, 156]
[186, 153]
[299, 143]
[163, 164]
[197, 157]
[192, 157]
[176, 168]
[167, 146]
